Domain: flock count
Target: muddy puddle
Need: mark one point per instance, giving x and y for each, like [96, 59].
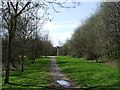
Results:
[63, 83]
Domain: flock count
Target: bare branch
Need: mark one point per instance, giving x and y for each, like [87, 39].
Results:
[12, 6]
[23, 9]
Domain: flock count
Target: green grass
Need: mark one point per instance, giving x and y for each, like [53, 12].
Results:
[88, 74]
[34, 76]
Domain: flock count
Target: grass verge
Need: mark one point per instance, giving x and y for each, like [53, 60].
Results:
[88, 74]
[35, 75]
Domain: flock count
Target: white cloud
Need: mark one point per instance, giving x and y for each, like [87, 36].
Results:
[60, 31]
[60, 37]
[51, 26]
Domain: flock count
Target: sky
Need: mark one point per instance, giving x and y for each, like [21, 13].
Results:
[64, 23]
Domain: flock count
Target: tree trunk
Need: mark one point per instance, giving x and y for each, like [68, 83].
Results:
[108, 55]
[11, 30]
[96, 60]
[6, 81]
[35, 54]
[23, 54]
[22, 65]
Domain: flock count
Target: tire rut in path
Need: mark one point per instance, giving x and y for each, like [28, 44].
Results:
[58, 76]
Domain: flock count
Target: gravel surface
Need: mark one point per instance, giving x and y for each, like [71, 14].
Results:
[59, 76]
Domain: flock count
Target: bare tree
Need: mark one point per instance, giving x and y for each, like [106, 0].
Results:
[11, 11]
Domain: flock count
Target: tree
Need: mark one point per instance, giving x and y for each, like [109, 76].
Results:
[111, 15]
[0, 61]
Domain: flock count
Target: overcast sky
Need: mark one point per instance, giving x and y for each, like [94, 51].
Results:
[64, 23]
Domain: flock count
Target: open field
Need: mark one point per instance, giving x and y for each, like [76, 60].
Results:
[89, 74]
[84, 73]
[35, 75]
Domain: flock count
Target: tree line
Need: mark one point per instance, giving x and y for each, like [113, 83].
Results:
[98, 36]
[21, 29]
[22, 35]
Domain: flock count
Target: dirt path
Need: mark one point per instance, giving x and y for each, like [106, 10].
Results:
[60, 79]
